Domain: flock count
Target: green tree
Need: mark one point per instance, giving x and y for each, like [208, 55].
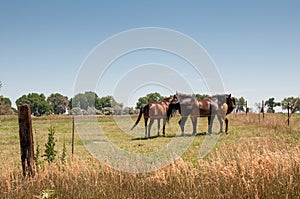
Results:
[108, 105]
[292, 101]
[5, 106]
[108, 101]
[84, 100]
[271, 104]
[240, 104]
[58, 103]
[37, 102]
[151, 97]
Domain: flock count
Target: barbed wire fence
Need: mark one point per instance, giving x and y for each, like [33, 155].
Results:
[259, 108]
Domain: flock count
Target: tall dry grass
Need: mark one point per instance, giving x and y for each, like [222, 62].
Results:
[249, 169]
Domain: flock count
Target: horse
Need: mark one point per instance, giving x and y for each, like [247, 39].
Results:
[208, 108]
[224, 109]
[187, 106]
[154, 110]
[220, 105]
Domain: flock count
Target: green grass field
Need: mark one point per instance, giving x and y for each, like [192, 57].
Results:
[259, 158]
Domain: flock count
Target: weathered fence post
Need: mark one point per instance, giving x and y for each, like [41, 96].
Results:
[73, 129]
[26, 139]
[263, 108]
[288, 120]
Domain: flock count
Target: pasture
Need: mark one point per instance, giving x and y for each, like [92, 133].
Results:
[257, 159]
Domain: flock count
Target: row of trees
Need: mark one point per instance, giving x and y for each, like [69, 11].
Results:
[56, 103]
[82, 104]
[270, 104]
[91, 103]
[289, 102]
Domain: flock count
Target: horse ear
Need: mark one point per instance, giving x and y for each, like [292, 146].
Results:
[229, 95]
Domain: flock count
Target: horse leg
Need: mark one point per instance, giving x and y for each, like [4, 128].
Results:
[194, 122]
[181, 123]
[164, 126]
[210, 123]
[146, 121]
[149, 127]
[158, 126]
[226, 127]
[220, 118]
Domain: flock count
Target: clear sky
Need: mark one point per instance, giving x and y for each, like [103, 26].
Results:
[254, 44]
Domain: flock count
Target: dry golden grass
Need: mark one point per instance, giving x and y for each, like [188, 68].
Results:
[256, 160]
[250, 174]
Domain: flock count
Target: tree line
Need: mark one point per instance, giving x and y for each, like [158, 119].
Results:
[90, 103]
[270, 104]
[80, 104]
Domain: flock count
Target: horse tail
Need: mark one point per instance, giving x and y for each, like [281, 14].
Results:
[142, 110]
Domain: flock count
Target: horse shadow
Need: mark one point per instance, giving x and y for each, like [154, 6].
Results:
[170, 136]
[146, 138]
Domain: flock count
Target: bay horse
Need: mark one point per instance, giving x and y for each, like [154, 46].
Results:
[224, 108]
[187, 106]
[220, 105]
[154, 110]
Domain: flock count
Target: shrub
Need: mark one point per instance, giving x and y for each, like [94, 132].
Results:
[50, 152]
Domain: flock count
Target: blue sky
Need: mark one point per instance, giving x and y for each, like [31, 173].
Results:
[254, 44]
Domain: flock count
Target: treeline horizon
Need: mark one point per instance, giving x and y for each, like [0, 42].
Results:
[90, 103]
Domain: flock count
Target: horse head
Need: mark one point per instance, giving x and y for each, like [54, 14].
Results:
[174, 106]
[230, 101]
[169, 100]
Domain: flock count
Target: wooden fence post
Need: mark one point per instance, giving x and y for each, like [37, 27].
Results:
[263, 108]
[288, 120]
[26, 139]
[73, 129]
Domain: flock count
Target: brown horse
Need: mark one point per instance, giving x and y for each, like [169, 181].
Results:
[224, 109]
[208, 108]
[154, 110]
[187, 106]
[220, 105]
